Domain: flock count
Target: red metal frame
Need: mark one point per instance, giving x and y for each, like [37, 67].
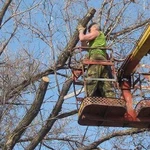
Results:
[97, 62]
[129, 67]
[127, 96]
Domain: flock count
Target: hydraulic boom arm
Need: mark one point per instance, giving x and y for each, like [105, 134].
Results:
[129, 67]
[141, 49]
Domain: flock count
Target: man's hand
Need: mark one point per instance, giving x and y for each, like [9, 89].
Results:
[80, 28]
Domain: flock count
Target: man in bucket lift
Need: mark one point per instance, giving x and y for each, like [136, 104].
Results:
[96, 38]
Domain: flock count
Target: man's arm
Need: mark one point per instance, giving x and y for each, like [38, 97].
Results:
[89, 36]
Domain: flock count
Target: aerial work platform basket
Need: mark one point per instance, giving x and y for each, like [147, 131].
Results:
[117, 112]
[98, 111]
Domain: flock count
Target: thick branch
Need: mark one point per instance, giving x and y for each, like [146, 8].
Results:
[52, 118]
[60, 62]
[115, 134]
[30, 115]
[3, 10]
[74, 40]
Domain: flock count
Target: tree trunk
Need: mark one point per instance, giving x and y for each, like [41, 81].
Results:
[52, 118]
[30, 115]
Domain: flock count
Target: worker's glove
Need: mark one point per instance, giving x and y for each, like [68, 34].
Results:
[80, 28]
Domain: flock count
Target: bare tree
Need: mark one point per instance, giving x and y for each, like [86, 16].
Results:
[37, 39]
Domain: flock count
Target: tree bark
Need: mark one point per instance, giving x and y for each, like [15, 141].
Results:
[30, 115]
[3, 10]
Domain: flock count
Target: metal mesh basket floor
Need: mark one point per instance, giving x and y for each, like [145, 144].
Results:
[98, 111]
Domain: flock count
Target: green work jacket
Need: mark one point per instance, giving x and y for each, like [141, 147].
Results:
[99, 41]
